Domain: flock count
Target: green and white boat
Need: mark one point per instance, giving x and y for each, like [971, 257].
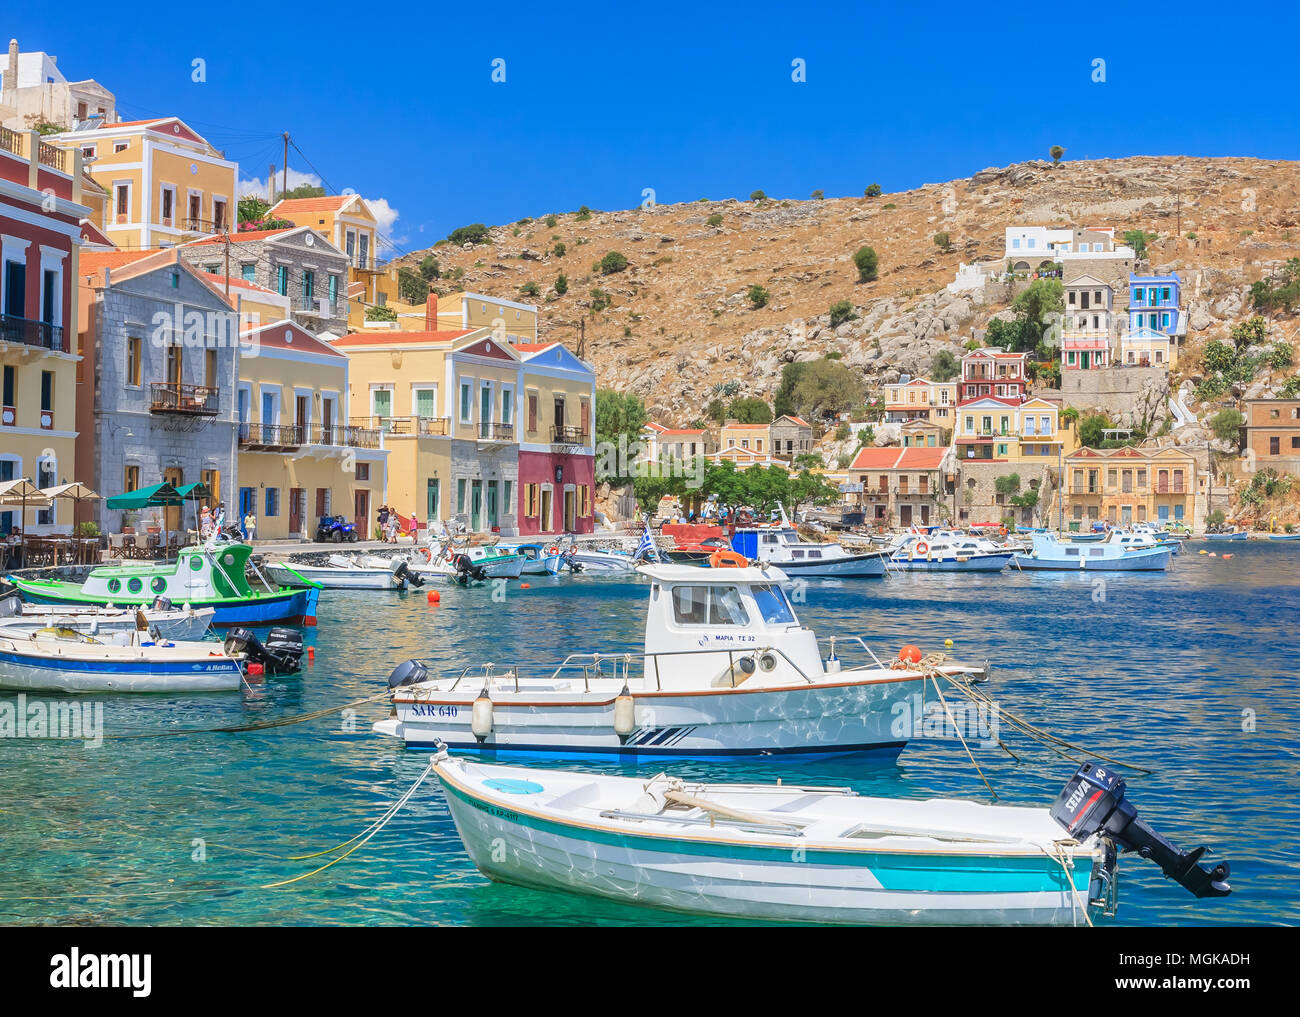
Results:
[212, 575]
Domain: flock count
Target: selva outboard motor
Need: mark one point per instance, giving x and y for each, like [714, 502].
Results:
[467, 570]
[410, 673]
[404, 575]
[1093, 803]
[280, 654]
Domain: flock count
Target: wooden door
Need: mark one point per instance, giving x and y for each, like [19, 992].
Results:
[361, 514]
[172, 514]
[297, 502]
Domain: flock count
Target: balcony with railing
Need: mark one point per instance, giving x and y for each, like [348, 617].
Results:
[321, 307]
[568, 436]
[403, 426]
[288, 437]
[495, 431]
[192, 400]
[26, 332]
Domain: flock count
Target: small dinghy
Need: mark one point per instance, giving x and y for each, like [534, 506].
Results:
[1233, 535]
[536, 559]
[159, 618]
[1284, 536]
[814, 854]
[344, 573]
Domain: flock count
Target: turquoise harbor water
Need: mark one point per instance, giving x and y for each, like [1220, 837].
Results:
[1162, 670]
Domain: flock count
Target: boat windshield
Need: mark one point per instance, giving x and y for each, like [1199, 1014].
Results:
[708, 605]
[772, 605]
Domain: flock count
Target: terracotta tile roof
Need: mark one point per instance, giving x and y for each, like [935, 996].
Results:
[97, 261]
[798, 420]
[240, 237]
[914, 458]
[746, 427]
[680, 430]
[329, 203]
[240, 283]
[400, 338]
[534, 347]
[134, 123]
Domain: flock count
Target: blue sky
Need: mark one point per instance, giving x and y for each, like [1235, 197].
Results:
[604, 100]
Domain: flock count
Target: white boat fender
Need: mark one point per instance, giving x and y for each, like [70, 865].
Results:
[481, 715]
[832, 661]
[624, 714]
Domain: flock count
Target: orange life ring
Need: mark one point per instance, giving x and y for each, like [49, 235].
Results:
[552, 550]
[428, 555]
[727, 560]
[921, 547]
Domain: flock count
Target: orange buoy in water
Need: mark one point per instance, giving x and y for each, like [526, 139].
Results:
[311, 655]
[434, 596]
[525, 586]
[910, 654]
[1226, 556]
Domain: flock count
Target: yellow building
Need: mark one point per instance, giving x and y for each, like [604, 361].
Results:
[350, 225]
[1134, 485]
[990, 429]
[745, 437]
[165, 183]
[299, 458]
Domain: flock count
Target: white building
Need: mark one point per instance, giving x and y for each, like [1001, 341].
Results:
[34, 90]
[1028, 247]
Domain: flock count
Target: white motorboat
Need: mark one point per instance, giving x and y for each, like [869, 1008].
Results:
[927, 553]
[727, 670]
[183, 623]
[581, 558]
[538, 560]
[465, 564]
[344, 573]
[817, 854]
[64, 660]
[1114, 554]
[781, 546]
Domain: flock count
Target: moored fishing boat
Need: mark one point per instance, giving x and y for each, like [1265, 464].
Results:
[159, 618]
[1284, 536]
[818, 854]
[212, 575]
[1113, 555]
[943, 553]
[781, 546]
[1232, 535]
[727, 670]
[536, 560]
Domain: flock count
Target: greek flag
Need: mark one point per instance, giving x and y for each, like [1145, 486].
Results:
[646, 549]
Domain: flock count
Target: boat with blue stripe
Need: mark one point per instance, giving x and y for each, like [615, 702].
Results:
[212, 575]
[1114, 554]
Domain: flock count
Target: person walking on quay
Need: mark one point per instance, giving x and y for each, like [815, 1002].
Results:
[394, 522]
[250, 526]
[383, 523]
[415, 528]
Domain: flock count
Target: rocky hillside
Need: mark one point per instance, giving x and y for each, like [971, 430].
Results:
[677, 319]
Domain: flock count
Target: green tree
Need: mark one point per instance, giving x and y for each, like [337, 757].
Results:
[1090, 429]
[551, 221]
[612, 262]
[818, 195]
[1226, 424]
[619, 413]
[1138, 240]
[943, 241]
[1252, 332]
[477, 233]
[867, 264]
[715, 219]
[872, 191]
[825, 388]
[945, 366]
[252, 208]
[582, 215]
[750, 410]
[757, 196]
[302, 191]
[561, 284]
[429, 268]
[380, 312]
[412, 287]
[559, 250]
[841, 311]
[529, 289]
[1056, 151]
[1218, 357]
[758, 296]
[717, 411]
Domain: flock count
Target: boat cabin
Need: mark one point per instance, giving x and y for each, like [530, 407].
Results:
[724, 627]
[197, 574]
[780, 544]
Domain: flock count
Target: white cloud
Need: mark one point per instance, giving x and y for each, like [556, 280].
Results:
[385, 215]
[258, 186]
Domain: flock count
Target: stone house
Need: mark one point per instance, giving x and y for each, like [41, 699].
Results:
[156, 395]
[1273, 435]
[791, 436]
[295, 262]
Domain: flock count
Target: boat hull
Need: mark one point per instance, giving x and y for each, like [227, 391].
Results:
[34, 672]
[332, 579]
[768, 881]
[176, 625]
[961, 563]
[858, 566]
[812, 721]
[1154, 559]
[601, 562]
[293, 607]
[1226, 536]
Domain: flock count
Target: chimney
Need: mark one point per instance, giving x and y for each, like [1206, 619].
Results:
[431, 313]
[11, 71]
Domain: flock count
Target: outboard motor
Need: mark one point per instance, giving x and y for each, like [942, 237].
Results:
[162, 603]
[467, 571]
[280, 654]
[11, 606]
[405, 575]
[1093, 803]
[411, 673]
